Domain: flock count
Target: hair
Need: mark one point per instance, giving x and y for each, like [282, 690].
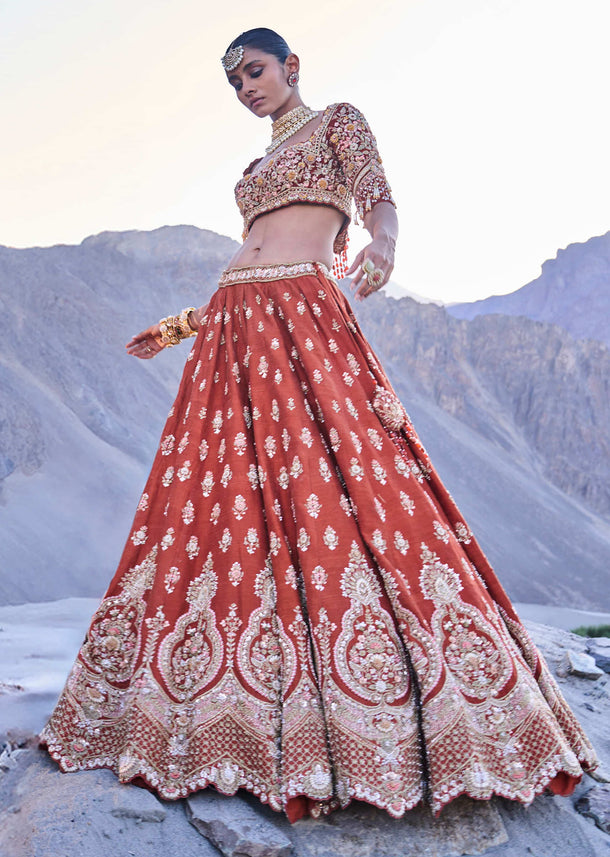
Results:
[265, 40]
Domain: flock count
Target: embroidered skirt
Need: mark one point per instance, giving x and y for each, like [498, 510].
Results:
[300, 610]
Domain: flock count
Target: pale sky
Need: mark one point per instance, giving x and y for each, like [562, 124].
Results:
[491, 116]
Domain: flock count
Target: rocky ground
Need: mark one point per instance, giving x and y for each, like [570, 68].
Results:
[44, 813]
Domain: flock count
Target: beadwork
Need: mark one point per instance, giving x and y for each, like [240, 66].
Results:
[339, 162]
[267, 273]
[232, 58]
[288, 124]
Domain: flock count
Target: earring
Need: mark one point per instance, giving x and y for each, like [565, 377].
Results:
[293, 78]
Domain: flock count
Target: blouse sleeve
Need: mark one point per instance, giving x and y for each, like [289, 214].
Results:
[356, 148]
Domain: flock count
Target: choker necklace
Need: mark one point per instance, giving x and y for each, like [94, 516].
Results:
[289, 124]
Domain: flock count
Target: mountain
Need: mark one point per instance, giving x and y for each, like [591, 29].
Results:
[572, 291]
[513, 412]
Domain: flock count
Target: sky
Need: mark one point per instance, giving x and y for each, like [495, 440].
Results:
[491, 117]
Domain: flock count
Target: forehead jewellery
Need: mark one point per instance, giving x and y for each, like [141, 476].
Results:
[232, 58]
[289, 124]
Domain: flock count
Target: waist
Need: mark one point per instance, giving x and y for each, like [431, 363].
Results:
[268, 273]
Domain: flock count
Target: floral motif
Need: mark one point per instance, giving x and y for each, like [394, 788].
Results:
[192, 547]
[167, 444]
[236, 574]
[240, 444]
[319, 577]
[331, 539]
[139, 536]
[172, 576]
[388, 408]
[168, 539]
[240, 507]
[313, 505]
[188, 512]
[185, 471]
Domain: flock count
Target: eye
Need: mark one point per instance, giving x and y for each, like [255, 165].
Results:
[236, 86]
[256, 72]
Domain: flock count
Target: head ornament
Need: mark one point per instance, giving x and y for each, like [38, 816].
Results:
[232, 58]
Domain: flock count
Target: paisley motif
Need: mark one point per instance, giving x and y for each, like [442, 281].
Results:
[190, 657]
[265, 654]
[114, 636]
[368, 653]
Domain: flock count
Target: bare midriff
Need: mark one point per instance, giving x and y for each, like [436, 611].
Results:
[295, 233]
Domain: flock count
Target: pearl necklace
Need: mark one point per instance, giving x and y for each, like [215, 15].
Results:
[289, 124]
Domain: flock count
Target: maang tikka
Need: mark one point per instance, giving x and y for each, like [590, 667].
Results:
[232, 58]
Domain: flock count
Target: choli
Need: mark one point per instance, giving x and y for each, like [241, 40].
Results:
[338, 163]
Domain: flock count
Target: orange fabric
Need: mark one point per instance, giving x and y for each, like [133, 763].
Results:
[300, 609]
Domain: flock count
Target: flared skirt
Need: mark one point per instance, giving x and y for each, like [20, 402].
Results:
[300, 609]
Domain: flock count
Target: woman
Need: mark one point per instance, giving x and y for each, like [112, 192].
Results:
[300, 609]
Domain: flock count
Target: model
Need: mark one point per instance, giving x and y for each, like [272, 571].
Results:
[301, 611]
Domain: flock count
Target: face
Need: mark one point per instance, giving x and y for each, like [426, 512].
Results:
[261, 81]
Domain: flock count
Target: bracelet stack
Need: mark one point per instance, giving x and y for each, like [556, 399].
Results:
[175, 328]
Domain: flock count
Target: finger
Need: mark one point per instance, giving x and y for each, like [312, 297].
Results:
[141, 349]
[356, 263]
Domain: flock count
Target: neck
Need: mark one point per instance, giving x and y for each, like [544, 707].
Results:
[293, 100]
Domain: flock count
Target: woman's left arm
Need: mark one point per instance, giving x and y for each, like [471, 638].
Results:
[382, 224]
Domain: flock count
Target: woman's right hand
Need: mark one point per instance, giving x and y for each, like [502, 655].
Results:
[146, 344]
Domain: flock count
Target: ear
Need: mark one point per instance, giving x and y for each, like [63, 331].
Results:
[292, 63]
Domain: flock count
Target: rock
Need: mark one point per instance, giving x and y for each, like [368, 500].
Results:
[136, 803]
[599, 649]
[234, 827]
[7, 761]
[21, 738]
[579, 664]
[595, 804]
[464, 827]
[44, 813]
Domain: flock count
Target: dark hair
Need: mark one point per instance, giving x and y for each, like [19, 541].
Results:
[265, 40]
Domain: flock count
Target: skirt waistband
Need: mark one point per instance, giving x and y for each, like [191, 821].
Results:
[267, 273]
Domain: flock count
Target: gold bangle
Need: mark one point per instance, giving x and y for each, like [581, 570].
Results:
[175, 328]
[183, 325]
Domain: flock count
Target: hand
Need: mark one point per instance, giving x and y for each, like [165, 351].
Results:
[146, 344]
[379, 253]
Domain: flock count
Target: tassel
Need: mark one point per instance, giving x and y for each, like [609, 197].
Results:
[340, 266]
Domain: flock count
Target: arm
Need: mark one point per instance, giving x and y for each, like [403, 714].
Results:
[356, 149]
[148, 343]
[382, 224]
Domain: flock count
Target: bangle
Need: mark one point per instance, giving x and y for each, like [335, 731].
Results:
[175, 328]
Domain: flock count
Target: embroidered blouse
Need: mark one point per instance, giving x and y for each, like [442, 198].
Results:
[338, 163]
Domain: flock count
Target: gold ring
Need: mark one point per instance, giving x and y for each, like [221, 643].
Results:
[376, 278]
[368, 267]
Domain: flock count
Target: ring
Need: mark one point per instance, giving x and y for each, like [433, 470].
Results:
[374, 275]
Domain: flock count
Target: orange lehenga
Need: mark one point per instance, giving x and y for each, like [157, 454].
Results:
[300, 610]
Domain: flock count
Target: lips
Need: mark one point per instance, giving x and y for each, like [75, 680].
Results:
[256, 101]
